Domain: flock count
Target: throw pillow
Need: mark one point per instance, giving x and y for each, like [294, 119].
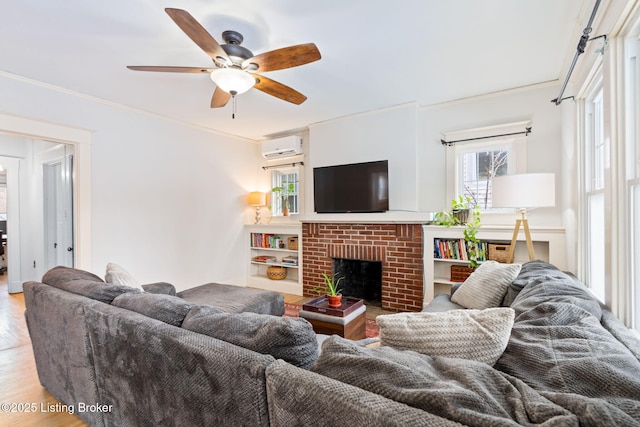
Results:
[166, 308]
[486, 286]
[289, 338]
[480, 335]
[117, 275]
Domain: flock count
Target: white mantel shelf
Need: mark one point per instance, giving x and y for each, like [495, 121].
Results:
[368, 218]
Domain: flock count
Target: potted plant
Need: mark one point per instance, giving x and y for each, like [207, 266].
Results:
[471, 237]
[461, 207]
[470, 219]
[331, 289]
[284, 191]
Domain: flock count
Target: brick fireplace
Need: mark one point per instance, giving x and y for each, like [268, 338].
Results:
[397, 246]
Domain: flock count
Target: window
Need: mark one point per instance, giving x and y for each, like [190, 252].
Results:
[632, 151]
[595, 192]
[288, 196]
[478, 163]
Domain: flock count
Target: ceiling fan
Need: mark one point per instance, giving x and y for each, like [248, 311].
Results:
[236, 67]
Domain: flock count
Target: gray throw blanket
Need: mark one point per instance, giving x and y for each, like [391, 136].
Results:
[468, 392]
[569, 361]
[563, 344]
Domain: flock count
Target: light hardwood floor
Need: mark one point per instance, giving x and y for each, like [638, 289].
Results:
[19, 382]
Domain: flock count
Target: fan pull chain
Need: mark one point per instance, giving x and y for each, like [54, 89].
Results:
[233, 115]
[233, 98]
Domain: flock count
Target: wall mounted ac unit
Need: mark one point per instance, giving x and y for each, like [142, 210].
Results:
[282, 147]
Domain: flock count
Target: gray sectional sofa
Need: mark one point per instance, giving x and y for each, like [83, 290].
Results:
[568, 362]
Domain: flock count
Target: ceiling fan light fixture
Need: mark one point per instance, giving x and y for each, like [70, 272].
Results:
[233, 80]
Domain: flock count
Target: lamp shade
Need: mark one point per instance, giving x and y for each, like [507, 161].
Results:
[530, 190]
[233, 80]
[257, 198]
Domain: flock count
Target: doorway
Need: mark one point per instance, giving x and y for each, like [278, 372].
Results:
[57, 195]
[21, 265]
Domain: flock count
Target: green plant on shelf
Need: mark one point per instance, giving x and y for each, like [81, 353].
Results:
[471, 237]
[464, 211]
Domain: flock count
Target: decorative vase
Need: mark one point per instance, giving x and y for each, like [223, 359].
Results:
[335, 300]
[285, 211]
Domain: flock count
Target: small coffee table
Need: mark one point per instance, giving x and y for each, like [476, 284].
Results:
[348, 320]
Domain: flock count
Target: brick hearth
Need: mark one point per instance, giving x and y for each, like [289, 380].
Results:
[397, 246]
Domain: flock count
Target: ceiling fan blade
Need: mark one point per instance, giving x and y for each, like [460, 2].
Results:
[219, 98]
[286, 57]
[278, 90]
[170, 69]
[198, 34]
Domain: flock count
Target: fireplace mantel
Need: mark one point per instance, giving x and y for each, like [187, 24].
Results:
[389, 217]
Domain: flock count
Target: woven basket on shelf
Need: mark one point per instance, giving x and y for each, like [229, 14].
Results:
[499, 252]
[276, 272]
[292, 243]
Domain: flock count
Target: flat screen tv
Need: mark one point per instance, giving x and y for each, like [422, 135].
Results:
[352, 188]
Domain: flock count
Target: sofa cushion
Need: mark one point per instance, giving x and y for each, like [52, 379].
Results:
[486, 286]
[160, 288]
[84, 283]
[60, 274]
[459, 390]
[290, 339]
[480, 335]
[119, 276]
[441, 303]
[166, 308]
[235, 299]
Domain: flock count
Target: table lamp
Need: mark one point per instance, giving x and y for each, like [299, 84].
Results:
[257, 199]
[523, 191]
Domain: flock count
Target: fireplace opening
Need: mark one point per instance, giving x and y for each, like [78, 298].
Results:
[362, 279]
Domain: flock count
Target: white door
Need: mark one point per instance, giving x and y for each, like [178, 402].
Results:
[58, 213]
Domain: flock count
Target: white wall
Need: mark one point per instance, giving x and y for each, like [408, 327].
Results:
[168, 201]
[544, 144]
[389, 134]
[409, 137]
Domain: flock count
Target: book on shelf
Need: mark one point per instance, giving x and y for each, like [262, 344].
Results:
[265, 258]
[456, 249]
[267, 240]
[290, 261]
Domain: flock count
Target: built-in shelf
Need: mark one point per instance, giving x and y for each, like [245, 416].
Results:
[549, 245]
[259, 237]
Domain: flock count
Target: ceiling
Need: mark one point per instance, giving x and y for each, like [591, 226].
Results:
[375, 53]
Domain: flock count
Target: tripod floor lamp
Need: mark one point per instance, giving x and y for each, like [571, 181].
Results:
[523, 191]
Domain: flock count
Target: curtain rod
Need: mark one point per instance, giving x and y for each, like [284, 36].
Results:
[283, 164]
[580, 50]
[526, 132]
